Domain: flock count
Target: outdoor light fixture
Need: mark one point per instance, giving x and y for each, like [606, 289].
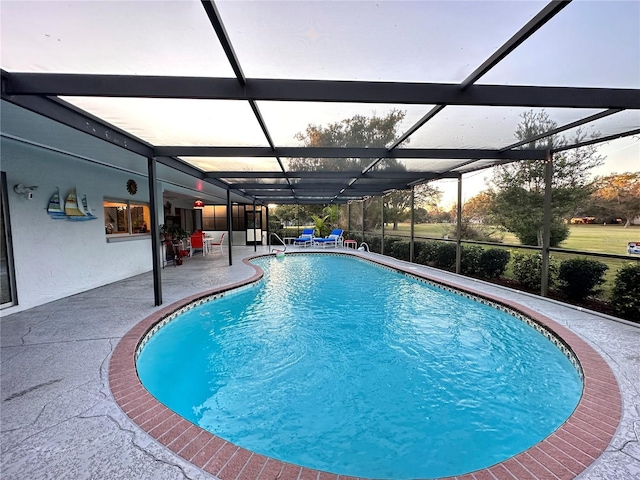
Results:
[198, 204]
[21, 189]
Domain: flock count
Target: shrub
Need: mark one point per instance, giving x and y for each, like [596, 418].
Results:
[399, 249]
[470, 261]
[493, 262]
[625, 299]
[579, 277]
[445, 256]
[528, 235]
[527, 269]
[388, 244]
[427, 253]
[374, 242]
[418, 247]
[471, 231]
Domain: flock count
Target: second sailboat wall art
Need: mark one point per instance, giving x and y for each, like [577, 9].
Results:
[76, 210]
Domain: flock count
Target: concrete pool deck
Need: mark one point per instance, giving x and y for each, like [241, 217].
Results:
[60, 420]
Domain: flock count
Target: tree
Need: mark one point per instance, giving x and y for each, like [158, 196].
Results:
[421, 215]
[321, 225]
[327, 220]
[333, 214]
[398, 204]
[357, 131]
[286, 213]
[518, 188]
[618, 195]
[476, 209]
[296, 214]
[472, 226]
[363, 131]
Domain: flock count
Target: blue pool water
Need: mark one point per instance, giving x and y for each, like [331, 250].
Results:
[337, 364]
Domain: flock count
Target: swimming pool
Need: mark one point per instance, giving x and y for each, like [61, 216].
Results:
[422, 342]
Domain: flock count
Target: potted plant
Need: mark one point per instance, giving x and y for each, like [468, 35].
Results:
[166, 232]
[178, 235]
[172, 235]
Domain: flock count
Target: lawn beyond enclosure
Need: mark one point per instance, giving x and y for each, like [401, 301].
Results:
[593, 238]
[610, 239]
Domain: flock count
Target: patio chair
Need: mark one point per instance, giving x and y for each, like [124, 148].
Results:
[334, 239]
[306, 238]
[197, 242]
[212, 242]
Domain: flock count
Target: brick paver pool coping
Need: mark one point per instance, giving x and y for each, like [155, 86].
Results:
[562, 455]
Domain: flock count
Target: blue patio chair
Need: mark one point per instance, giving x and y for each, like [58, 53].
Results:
[334, 239]
[306, 238]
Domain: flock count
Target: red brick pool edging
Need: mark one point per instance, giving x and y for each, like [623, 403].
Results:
[562, 455]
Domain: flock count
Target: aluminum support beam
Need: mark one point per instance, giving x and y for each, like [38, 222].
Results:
[577, 123]
[255, 232]
[329, 175]
[324, 196]
[268, 232]
[546, 14]
[229, 225]
[546, 224]
[223, 37]
[525, 32]
[262, 89]
[303, 188]
[413, 218]
[382, 217]
[156, 247]
[221, 32]
[363, 220]
[608, 138]
[68, 115]
[348, 152]
[459, 227]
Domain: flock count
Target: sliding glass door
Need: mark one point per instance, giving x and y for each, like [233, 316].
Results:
[7, 279]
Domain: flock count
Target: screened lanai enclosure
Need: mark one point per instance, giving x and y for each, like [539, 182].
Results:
[235, 94]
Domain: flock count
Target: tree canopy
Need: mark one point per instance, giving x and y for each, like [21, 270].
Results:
[476, 209]
[357, 131]
[618, 195]
[517, 194]
[363, 131]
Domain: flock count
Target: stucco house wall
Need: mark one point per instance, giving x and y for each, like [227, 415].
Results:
[57, 258]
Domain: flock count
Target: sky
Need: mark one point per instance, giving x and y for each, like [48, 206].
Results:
[589, 43]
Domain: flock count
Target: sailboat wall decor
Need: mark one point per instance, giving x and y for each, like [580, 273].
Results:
[76, 210]
[73, 210]
[87, 209]
[54, 209]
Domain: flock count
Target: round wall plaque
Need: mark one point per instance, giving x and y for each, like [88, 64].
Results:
[132, 187]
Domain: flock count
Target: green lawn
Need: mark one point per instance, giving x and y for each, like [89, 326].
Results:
[593, 238]
[611, 239]
[602, 238]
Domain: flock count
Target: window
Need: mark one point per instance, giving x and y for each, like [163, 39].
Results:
[122, 217]
[237, 214]
[214, 217]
